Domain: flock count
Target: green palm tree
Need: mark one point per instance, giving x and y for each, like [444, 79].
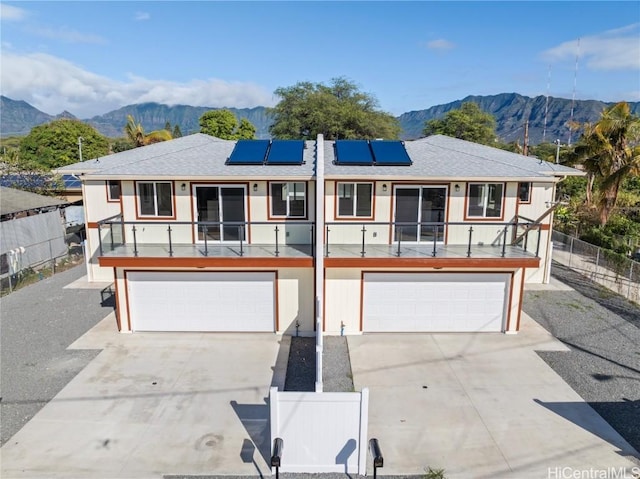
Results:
[136, 135]
[609, 150]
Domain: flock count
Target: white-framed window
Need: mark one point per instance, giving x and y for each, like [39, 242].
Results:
[354, 200]
[155, 198]
[113, 190]
[485, 200]
[524, 192]
[288, 200]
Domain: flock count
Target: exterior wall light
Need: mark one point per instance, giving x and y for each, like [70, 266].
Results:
[384, 187]
[255, 187]
[183, 186]
[457, 187]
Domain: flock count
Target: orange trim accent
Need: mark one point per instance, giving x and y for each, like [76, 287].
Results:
[192, 213]
[204, 262]
[482, 218]
[93, 225]
[126, 291]
[152, 217]
[508, 318]
[294, 218]
[430, 262]
[524, 270]
[354, 218]
[545, 227]
[361, 301]
[115, 282]
[324, 301]
[277, 300]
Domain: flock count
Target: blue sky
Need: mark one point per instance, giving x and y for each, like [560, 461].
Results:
[93, 57]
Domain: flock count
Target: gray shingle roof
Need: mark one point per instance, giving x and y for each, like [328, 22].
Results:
[15, 201]
[194, 156]
[202, 156]
[442, 157]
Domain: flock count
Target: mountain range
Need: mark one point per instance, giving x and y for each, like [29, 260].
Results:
[511, 111]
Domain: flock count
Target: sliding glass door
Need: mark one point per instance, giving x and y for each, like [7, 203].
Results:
[220, 205]
[420, 213]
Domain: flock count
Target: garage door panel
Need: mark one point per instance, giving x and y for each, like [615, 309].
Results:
[189, 301]
[434, 302]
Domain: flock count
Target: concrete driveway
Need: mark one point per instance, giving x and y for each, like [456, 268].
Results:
[481, 406]
[152, 404]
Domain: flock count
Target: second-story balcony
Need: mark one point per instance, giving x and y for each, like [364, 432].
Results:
[519, 239]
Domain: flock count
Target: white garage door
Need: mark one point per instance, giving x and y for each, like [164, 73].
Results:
[434, 302]
[186, 301]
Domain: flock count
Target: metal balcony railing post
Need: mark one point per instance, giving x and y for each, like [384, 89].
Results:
[526, 240]
[399, 233]
[277, 251]
[469, 245]
[111, 235]
[539, 238]
[100, 240]
[364, 231]
[241, 236]
[504, 241]
[326, 252]
[135, 242]
[435, 240]
[170, 243]
[205, 230]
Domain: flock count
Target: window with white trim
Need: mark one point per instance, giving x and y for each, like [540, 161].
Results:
[485, 200]
[113, 190]
[288, 200]
[354, 199]
[524, 192]
[155, 198]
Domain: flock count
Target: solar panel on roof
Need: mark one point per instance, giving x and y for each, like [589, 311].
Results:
[389, 153]
[249, 152]
[71, 181]
[285, 152]
[353, 152]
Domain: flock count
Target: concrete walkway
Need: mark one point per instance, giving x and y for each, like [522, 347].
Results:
[479, 406]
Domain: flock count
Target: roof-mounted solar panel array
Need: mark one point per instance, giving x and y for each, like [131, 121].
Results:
[269, 152]
[71, 181]
[371, 153]
[285, 152]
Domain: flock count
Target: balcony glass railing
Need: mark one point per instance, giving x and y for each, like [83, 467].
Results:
[341, 239]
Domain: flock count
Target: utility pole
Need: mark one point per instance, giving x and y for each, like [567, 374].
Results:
[80, 147]
[525, 147]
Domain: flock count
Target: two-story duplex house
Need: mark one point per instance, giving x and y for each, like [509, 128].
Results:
[203, 234]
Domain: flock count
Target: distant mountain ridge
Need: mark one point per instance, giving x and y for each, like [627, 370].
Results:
[511, 111]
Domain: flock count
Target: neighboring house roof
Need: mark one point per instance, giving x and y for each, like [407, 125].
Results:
[14, 201]
[191, 156]
[443, 157]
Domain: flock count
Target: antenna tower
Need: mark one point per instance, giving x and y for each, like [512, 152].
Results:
[573, 99]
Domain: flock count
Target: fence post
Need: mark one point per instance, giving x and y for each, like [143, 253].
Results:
[571, 251]
[630, 279]
[53, 260]
[595, 274]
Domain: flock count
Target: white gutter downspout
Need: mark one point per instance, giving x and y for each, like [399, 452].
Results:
[319, 257]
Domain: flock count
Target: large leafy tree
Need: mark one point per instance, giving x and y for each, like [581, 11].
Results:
[224, 124]
[55, 144]
[338, 111]
[468, 122]
[137, 136]
[609, 150]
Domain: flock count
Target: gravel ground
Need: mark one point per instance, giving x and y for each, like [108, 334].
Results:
[301, 367]
[336, 365]
[37, 324]
[602, 331]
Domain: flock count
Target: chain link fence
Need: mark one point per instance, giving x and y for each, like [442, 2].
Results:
[34, 262]
[608, 268]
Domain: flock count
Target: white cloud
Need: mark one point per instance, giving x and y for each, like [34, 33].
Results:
[440, 45]
[141, 16]
[66, 35]
[617, 49]
[53, 84]
[9, 12]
